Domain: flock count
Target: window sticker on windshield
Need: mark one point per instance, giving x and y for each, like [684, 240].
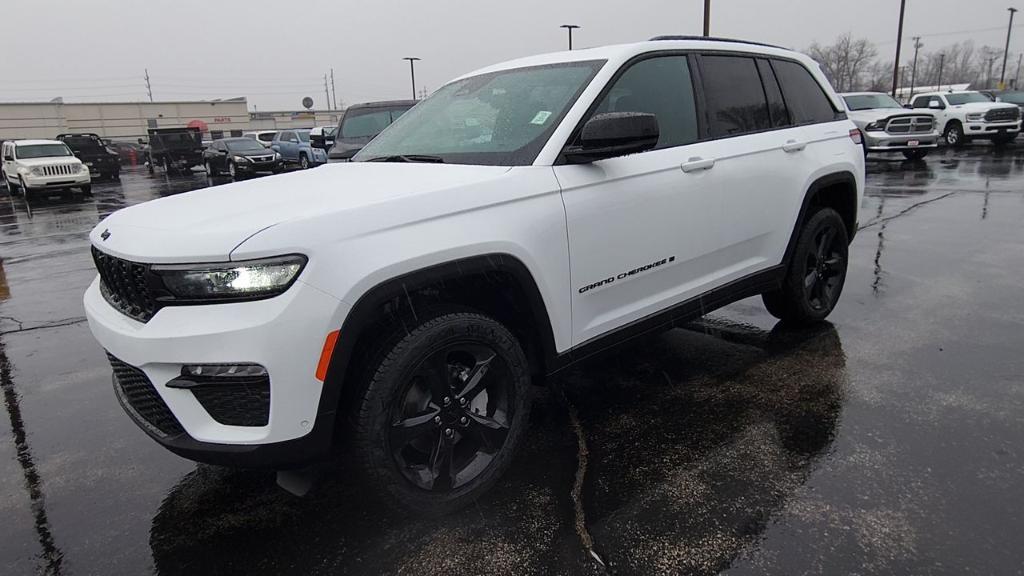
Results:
[541, 118]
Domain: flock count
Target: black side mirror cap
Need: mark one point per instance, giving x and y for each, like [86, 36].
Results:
[614, 134]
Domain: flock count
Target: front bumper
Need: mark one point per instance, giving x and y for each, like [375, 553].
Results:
[879, 141]
[284, 334]
[972, 129]
[57, 182]
[253, 167]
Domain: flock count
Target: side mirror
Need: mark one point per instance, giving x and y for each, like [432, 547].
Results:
[614, 134]
[8, 158]
[935, 105]
[909, 106]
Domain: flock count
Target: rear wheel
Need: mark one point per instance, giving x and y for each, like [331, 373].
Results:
[816, 273]
[914, 154]
[443, 412]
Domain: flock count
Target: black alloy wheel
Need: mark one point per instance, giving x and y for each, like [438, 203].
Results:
[816, 274]
[442, 412]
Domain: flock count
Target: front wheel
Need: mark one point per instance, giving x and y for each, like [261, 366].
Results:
[210, 170]
[914, 154]
[232, 170]
[815, 277]
[303, 162]
[954, 134]
[443, 412]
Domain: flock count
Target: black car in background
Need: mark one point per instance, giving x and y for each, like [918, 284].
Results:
[174, 149]
[240, 157]
[93, 152]
[360, 123]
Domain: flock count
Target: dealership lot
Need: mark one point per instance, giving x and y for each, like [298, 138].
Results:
[887, 441]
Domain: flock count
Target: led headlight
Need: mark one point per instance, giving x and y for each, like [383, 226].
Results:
[875, 126]
[241, 159]
[249, 279]
[975, 116]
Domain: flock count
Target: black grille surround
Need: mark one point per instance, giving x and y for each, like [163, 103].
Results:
[130, 287]
[1006, 114]
[141, 400]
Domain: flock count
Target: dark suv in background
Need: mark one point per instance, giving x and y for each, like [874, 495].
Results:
[361, 123]
[93, 152]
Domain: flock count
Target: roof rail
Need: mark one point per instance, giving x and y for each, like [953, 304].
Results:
[714, 39]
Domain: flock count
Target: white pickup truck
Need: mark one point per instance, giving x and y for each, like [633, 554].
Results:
[964, 116]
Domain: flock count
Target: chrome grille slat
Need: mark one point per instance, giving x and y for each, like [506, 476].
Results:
[910, 125]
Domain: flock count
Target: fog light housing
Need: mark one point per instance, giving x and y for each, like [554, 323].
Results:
[232, 394]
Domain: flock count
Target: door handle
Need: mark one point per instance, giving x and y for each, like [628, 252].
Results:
[794, 146]
[697, 163]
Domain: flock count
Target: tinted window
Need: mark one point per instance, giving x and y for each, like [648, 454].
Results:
[659, 86]
[776, 105]
[735, 98]
[366, 124]
[921, 102]
[244, 145]
[807, 102]
[288, 137]
[266, 136]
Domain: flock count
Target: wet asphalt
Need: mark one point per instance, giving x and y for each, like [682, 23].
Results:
[887, 441]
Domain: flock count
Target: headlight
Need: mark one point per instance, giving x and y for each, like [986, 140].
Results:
[241, 159]
[975, 116]
[83, 168]
[249, 279]
[277, 156]
[37, 170]
[875, 126]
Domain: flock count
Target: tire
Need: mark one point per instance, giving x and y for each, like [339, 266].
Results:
[303, 161]
[816, 274]
[4, 184]
[210, 170]
[954, 134]
[166, 166]
[233, 170]
[453, 449]
[914, 154]
[22, 188]
[1003, 140]
[116, 175]
[149, 165]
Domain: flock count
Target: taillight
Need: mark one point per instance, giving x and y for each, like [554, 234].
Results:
[856, 136]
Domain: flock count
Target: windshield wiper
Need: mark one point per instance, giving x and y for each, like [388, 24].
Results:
[408, 158]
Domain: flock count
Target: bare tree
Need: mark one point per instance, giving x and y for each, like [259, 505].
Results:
[845, 62]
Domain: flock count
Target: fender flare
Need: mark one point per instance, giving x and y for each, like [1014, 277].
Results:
[842, 177]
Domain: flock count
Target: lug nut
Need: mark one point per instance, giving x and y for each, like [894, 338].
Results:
[449, 432]
[447, 401]
[463, 420]
[462, 401]
[437, 419]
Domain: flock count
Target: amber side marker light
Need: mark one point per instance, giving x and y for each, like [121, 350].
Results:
[325, 355]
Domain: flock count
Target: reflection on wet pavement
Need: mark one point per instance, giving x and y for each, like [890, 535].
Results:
[885, 442]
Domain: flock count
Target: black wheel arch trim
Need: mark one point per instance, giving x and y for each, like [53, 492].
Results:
[843, 177]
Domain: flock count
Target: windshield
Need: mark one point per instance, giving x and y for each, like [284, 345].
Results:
[303, 135]
[368, 122]
[83, 143]
[1012, 97]
[966, 98]
[870, 101]
[498, 119]
[41, 151]
[244, 145]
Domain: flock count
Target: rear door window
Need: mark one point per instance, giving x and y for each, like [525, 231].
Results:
[736, 102]
[805, 98]
[776, 105]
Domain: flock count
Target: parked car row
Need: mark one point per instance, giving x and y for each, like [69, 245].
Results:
[954, 117]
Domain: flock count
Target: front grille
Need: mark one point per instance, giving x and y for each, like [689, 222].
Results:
[60, 170]
[1002, 114]
[126, 285]
[242, 403]
[261, 158]
[910, 125]
[138, 396]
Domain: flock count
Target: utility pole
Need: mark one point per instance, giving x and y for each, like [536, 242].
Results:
[1006, 51]
[334, 89]
[327, 95]
[1016, 77]
[942, 62]
[707, 18]
[412, 73]
[149, 88]
[570, 28]
[913, 71]
[988, 75]
[899, 45]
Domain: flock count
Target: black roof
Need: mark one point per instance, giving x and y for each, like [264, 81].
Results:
[715, 39]
[383, 104]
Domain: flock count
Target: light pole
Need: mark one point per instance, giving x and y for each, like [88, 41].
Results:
[942, 62]
[1006, 51]
[899, 44]
[412, 73]
[570, 28]
[913, 71]
[707, 18]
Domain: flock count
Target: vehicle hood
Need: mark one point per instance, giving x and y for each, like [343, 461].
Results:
[866, 117]
[50, 161]
[206, 225]
[249, 153]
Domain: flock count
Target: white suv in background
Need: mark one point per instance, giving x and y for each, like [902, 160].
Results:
[520, 219]
[964, 116]
[34, 166]
[889, 127]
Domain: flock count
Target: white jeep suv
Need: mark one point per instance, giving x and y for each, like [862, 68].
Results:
[889, 127]
[964, 116]
[33, 166]
[520, 219]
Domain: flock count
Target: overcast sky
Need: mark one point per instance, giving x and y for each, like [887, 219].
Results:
[277, 52]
